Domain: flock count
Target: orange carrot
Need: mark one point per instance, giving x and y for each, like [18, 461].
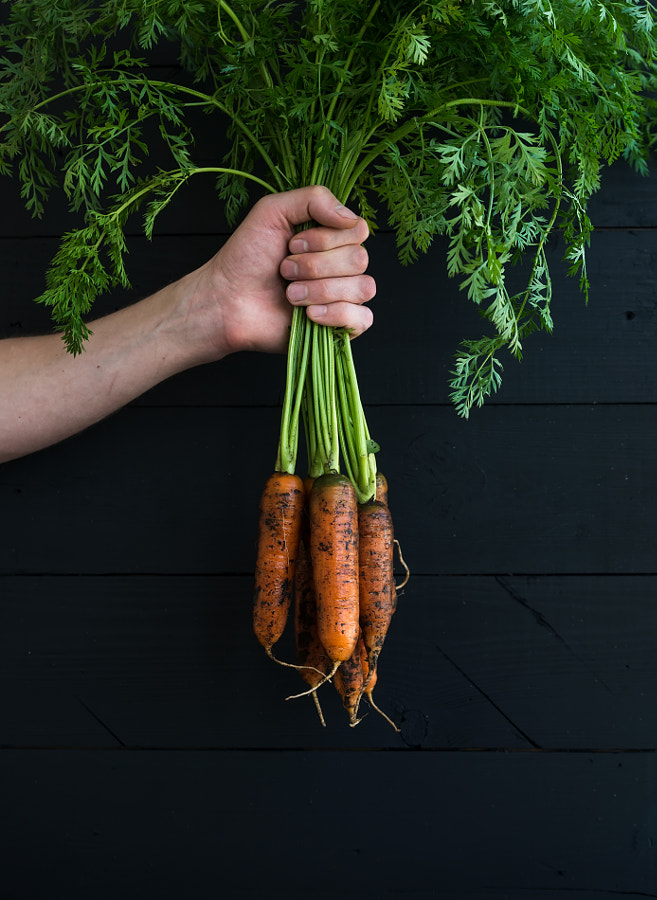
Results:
[349, 681]
[381, 488]
[312, 661]
[377, 595]
[279, 526]
[370, 682]
[308, 483]
[334, 554]
[311, 657]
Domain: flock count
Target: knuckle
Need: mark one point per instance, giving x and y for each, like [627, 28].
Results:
[265, 202]
[318, 292]
[360, 322]
[311, 267]
[361, 258]
[320, 193]
[362, 230]
[368, 287]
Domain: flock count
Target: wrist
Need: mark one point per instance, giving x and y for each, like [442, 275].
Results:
[189, 324]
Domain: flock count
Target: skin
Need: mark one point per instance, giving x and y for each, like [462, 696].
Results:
[241, 299]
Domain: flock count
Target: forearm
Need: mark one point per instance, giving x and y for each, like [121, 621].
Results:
[47, 395]
[234, 302]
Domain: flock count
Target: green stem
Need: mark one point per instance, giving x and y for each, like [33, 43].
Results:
[328, 363]
[346, 431]
[411, 124]
[211, 100]
[238, 172]
[184, 175]
[297, 367]
[244, 34]
[350, 57]
[205, 100]
[318, 401]
[314, 463]
[337, 94]
[362, 461]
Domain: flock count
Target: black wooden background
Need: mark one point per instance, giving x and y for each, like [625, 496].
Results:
[147, 748]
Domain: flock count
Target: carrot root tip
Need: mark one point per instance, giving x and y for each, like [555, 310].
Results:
[314, 689]
[288, 665]
[353, 715]
[398, 587]
[381, 713]
[319, 709]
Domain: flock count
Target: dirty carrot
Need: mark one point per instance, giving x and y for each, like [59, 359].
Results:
[334, 555]
[279, 526]
[311, 657]
[312, 662]
[349, 681]
[377, 594]
[381, 488]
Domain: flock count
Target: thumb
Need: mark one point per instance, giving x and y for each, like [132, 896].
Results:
[316, 204]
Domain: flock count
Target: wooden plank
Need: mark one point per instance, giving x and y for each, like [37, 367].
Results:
[524, 490]
[515, 489]
[599, 353]
[479, 826]
[625, 199]
[485, 663]
[565, 661]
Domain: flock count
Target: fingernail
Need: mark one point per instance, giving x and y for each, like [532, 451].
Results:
[316, 312]
[297, 292]
[289, 269]
[298, 245]
[345, 212]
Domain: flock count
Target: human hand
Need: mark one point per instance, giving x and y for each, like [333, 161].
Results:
[247, 304]
[236, 301]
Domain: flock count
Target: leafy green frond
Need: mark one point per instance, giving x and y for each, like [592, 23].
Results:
[489, 122]
[476, 375]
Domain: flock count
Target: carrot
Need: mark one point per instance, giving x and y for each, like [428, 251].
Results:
[381, 488]
[311, 658]
[349, 681]
[279, 526]
[377, 594]
[310, 655]
[370, 680]
[308, 483]
[334, 554]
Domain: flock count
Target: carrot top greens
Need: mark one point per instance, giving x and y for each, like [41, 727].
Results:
[485, 121]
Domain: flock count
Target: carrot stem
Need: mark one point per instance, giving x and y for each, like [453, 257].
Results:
[357, 444]
[322, 389]
[297, 365]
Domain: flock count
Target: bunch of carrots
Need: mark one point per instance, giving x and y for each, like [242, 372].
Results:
[333, 557]
[326, 542]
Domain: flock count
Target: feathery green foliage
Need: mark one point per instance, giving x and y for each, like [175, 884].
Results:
[485, 121]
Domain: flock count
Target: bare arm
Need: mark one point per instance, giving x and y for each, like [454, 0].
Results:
[237, 301]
